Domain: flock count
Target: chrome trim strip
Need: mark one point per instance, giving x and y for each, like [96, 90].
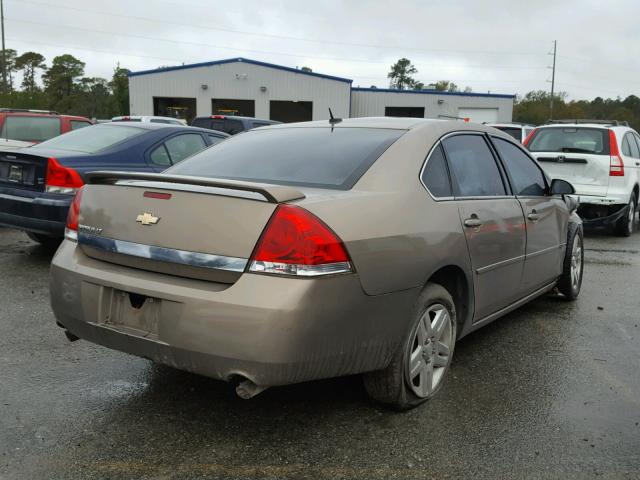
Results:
[162, 254]
[503, 263]
[543, 251]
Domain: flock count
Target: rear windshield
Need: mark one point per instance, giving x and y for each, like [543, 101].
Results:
[515, 132]
[570, 140]
[30, 129]
[92, 139]
[314, 157]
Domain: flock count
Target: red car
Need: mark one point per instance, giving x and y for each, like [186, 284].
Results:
[36, 126]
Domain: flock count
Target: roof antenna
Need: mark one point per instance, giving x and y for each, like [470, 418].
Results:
[333, 120]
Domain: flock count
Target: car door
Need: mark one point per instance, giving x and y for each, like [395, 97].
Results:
[545, 216]
[491, 219]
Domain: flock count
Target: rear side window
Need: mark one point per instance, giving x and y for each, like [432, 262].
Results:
[92, 139]
[214, 139]
[526, 178]
[76, 124]
[474, 171]
[515, 132]
[183, 146]
[30, 129]
[570, 140]
[315, 157]
[633, 147]
[436, 176]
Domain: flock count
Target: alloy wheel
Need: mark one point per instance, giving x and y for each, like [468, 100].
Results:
[576, 262]
[430, 351]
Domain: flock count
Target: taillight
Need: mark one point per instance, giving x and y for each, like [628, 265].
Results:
[61, 179]
[71, 230]
[296, 242]
[616, 164]
[529, 137]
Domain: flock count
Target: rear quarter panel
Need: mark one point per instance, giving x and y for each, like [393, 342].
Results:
[396, 234]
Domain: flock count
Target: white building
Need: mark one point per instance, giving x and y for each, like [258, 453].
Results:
[241, 86]
[477, 107]
[238, 86]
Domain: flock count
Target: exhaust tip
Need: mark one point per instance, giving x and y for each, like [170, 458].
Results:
[247, 389]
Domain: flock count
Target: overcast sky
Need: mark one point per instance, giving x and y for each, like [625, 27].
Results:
[500, 46]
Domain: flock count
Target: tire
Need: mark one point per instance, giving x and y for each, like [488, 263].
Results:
[570, 282]
[50, 243]
[394, 386]
[624, 226]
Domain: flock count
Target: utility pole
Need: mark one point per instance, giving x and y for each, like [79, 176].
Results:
[4, 54]
[553, 79]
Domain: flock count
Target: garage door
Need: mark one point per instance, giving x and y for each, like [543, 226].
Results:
[479, 115]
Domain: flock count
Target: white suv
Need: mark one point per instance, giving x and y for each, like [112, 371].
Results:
[601, 159]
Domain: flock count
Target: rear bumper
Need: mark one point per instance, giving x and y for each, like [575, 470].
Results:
[36, 212]
[273, 331]
[600, 214]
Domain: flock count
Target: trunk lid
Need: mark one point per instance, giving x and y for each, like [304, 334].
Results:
[196, 228]
[23, 170]
[588, 173]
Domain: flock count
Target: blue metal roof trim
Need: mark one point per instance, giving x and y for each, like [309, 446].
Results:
[239, 60]
[432, 92]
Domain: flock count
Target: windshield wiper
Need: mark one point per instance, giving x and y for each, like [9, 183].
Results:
[575, 150]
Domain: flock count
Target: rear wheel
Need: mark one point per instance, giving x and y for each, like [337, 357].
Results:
[47, 242]
[417, 370]
[624, 226]
[570, 281]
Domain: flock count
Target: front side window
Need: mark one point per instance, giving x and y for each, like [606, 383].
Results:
[30, 129]
[92, 139]
[436, 176]
[183, 146]
[526, 178]
[474, 172]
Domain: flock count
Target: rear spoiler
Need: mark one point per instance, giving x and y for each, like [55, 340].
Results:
[272, 193]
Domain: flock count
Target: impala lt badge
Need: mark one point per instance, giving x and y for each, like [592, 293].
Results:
[147, 218]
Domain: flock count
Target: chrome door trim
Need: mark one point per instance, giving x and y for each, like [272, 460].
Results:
[503, 263]
[163, 254]
[544, 250]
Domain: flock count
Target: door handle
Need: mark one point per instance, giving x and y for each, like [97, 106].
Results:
[533, 216]
[473, 222]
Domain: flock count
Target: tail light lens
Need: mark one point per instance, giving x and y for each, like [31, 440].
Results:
[61, 179]
[71, 230]
[616, 164]
[529, 137]
[296, 242]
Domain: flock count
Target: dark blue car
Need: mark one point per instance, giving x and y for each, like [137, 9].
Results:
[38, 183]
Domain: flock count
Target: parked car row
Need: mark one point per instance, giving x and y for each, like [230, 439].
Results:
[361, 246]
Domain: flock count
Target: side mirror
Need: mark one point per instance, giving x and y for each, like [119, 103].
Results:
[561, 187]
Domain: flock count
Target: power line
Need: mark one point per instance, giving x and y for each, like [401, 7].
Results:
[274, 36]
[268, 52]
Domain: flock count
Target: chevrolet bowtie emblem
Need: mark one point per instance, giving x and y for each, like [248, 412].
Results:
[147, 219]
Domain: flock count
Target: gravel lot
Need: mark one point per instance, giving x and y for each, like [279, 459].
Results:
[549, 391]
